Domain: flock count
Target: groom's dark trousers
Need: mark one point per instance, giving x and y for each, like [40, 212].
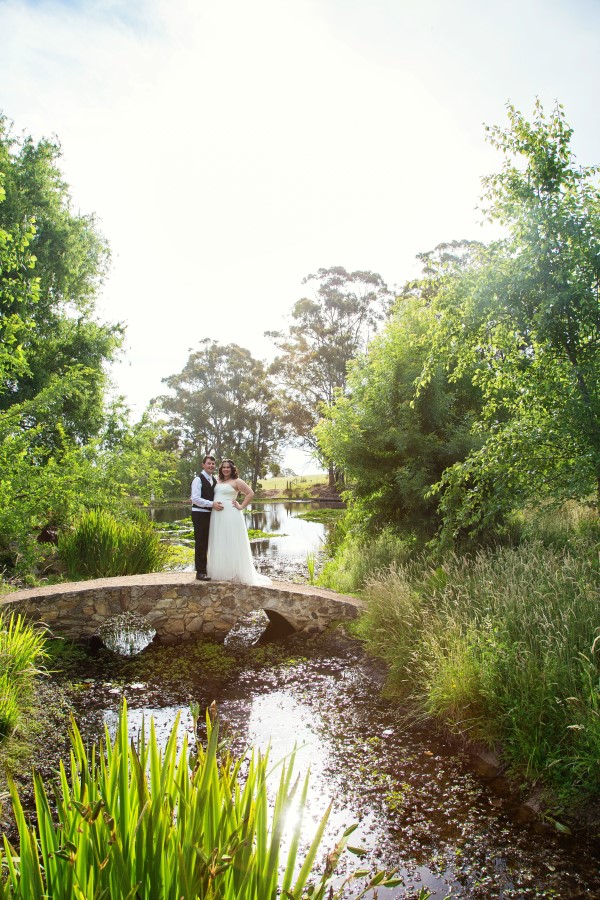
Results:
[201, 523]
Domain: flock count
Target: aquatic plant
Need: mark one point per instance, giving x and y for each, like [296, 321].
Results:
[21, 649]
[137, 822]
[310, 565]
[100, 546]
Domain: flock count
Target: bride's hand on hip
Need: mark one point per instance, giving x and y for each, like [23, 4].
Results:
[237, 505]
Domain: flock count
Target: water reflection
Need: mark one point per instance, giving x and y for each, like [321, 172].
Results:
[294, 537]
[418, 804]
[164, 719]
[285, 553]
[126, 634]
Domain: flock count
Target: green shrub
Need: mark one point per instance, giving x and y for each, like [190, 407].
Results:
[137, 822]
[21, 647]
[100, 546]
[358, 558]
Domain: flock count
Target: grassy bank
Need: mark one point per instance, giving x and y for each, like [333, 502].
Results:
[501, 646]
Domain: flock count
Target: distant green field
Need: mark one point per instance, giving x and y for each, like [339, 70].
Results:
[295, 481]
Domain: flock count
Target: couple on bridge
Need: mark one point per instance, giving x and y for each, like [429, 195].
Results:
[222, 547]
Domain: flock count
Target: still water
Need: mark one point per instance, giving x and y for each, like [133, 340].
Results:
[420, 806]
[423, 805]
[284, 555]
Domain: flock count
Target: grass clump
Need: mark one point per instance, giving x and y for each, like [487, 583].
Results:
[504, 647]
[137, 822]
[100, 546]
[358, 557]
[21, 649]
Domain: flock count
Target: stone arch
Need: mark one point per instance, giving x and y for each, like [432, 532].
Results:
[177, 606]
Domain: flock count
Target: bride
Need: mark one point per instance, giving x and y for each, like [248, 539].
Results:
[229, 554]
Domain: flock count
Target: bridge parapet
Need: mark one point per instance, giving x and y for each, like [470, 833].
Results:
[177, 606]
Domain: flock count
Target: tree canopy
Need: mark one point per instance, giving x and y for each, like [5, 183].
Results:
[224, 403]
[65, 268]
[326, 332]
[393, 444]
[508, 335]
[64, 444]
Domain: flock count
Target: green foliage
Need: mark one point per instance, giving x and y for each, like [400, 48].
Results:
[395, 445]
[21, 649]
[482, 395]
[99, 546]
[135, 821]
[56, 298]
[19, 292]
[62, 446]
[358, 555]
[327, 332]
[42, 485]
[224, 404]
[502, 647]
[524, 324]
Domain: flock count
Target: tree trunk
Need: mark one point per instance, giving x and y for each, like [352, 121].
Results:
[331, 474]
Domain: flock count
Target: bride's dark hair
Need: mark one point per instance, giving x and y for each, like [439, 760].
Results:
[234, 471]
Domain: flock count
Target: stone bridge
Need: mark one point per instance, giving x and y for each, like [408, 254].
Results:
[177, 606]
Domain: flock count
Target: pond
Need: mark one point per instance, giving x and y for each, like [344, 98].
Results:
[420, 806]
[282, 556]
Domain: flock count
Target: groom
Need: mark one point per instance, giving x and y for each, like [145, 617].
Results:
[203, 492]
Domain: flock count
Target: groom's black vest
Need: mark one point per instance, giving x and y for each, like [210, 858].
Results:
[207, 491]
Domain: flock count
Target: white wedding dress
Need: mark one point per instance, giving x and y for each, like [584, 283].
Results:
[229, 553]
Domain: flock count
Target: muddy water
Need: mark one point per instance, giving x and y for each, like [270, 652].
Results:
[420, 807]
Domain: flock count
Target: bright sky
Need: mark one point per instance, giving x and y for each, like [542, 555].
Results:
[230, 149]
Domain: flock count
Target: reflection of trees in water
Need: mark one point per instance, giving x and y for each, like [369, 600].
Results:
[273, 521]
[259, 548]
[265, 518]
[256, 519]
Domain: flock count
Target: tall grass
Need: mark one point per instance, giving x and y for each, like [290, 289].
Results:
[99, 546]
[21, 649]
[357, 558]
[137, 822]
[503, 647]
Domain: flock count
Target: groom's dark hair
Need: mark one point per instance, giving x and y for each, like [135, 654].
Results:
[208, 456]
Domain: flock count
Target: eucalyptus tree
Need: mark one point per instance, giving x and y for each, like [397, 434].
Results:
[224, 403]
[327, 331]
[524, 321]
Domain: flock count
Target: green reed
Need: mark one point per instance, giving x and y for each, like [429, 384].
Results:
[21, 649]
[100, 546]
[504, 648]
[311, 567]
[137, 822]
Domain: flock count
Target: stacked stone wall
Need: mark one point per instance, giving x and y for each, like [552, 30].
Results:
[176, 605]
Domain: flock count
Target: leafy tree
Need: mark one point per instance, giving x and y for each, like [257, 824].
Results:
[394, 445]
[224, 403]
[63, 449]
[19, 291]
[524, 321]
[327, 331]
[57, 297]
